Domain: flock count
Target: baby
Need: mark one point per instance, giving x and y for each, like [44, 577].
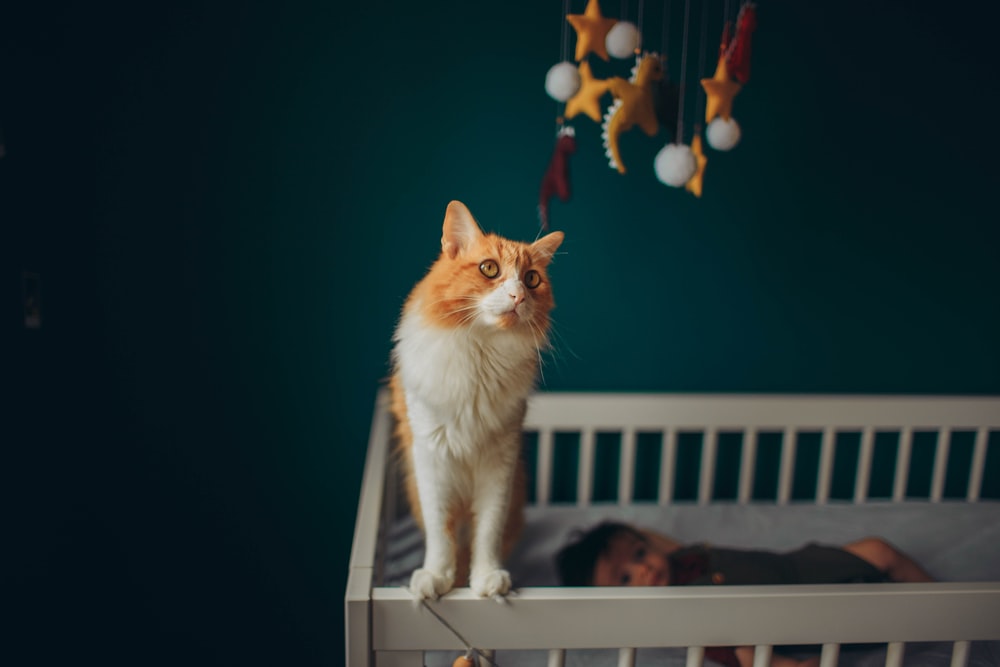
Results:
[617, 554]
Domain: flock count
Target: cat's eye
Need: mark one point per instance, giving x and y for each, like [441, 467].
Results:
[532, 279]
[489, 268]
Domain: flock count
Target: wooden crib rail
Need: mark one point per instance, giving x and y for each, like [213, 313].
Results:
[373, 512]
[582, 618]
[646, 411]
[587, 417]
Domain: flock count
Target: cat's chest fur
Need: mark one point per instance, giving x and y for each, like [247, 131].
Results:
[464, 385]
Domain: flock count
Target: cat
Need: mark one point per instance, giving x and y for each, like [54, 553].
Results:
[466, 353]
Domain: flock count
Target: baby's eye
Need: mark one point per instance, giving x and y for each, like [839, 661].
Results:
[489, 268]
[626, 578]
[532, 279]
[640, 553]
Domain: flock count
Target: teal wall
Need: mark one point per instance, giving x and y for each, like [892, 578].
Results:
[228, 203]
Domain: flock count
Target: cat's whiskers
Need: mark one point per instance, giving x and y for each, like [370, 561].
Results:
[562, 338]
[471, 308]
[534, 328]
[461, 297]
[556, 352]
[470, 313]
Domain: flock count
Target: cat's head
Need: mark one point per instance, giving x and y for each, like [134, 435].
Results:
[484, 280]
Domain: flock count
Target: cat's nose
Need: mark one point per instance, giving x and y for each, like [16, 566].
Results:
[517, 294]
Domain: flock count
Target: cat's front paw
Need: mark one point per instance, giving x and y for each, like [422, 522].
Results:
[428, 585]
[490, 583]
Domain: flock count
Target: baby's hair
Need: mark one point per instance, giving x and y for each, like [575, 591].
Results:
[575, 561]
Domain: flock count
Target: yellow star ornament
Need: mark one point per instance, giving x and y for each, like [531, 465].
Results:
[588, 99]
[696, 182]
[591, 31]
[719, 92]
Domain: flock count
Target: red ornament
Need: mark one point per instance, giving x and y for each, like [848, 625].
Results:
[738, 58]
[555, 182]
[727, 35]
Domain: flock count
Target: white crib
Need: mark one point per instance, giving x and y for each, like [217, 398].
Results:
[385, 628]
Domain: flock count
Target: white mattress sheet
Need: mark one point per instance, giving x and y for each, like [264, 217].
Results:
[954, 541]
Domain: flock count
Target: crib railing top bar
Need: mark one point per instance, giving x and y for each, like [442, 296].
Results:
[372, 483]
[700, 616]
[651, 411]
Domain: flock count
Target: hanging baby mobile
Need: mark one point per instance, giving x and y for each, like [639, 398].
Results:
[648, 99]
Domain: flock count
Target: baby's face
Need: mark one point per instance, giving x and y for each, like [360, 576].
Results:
[631, 561]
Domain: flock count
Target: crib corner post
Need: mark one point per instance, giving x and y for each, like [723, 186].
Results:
[357, 610]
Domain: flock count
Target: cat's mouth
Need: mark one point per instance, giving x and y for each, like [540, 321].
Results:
[508, 319]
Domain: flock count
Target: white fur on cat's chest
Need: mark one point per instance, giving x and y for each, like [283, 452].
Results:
[463, 386]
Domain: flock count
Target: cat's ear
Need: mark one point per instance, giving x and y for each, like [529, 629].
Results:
[460, 229]
[544, 248]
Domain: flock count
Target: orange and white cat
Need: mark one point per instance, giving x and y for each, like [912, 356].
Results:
[466, 355]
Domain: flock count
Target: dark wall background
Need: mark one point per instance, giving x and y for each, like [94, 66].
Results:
[227, 203]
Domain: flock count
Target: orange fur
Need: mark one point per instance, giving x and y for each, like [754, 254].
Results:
[444, 292]
[443, 297]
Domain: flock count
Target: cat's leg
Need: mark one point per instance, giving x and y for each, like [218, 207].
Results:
[437, 576]
[515, 512]
[491, 503]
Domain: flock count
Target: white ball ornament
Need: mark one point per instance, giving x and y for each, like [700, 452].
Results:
[622, 40]
[562, 81]
[722, 134]
[675, 165]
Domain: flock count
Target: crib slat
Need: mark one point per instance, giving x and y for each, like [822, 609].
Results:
[543, 481]
[668, 460]
[894, 654]
[390, 505]
[762, 656]
[709, 451]
[585, 480]
[748, 459]
[825, 466]
[695, 656]
[960, 654]
[557, 657]
[862, 479]
[902, 464]
[626, 657]
[940, 464]
[829, 656]
[978, 464]
[626, 468]
[787, 468]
